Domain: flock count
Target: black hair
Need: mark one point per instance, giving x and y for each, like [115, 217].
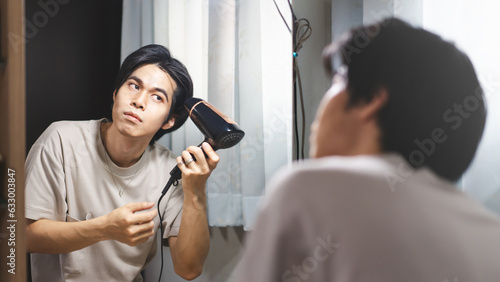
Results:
[435, 113]
[159, 56]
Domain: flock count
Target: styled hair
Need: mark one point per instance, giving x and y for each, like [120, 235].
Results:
[159, 56]
[435, 113]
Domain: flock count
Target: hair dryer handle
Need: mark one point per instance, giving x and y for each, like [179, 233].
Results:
[176, 173]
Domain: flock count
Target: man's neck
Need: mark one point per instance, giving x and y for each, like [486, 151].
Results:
[123, 151]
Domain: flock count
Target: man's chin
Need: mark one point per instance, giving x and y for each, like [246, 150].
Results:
[130, 131]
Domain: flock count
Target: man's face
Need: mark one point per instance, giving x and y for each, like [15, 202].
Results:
[143, 102]
[335, 128]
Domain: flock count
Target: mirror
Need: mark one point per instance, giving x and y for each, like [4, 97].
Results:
[74, 49]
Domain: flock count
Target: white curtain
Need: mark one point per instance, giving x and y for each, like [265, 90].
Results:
[239, 54]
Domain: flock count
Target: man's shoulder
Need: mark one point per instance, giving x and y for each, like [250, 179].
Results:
[367, 167]
[345, 176]
[64, 131]
[362, 164]
[72, 125]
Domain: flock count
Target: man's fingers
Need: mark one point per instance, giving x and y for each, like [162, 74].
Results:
[148, 232]
[140, 213]
[141, 233]
[134, 207]
[198, 156]
[142, 227]
[142, 238]
[213, 158]
[180, 161]
[189, 156]
[144, 216]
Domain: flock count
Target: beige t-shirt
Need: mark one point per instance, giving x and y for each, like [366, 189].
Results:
[370, 218]
[69, 177]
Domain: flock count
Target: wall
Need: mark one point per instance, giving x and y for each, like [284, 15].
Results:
[314, 80]
[72, 58]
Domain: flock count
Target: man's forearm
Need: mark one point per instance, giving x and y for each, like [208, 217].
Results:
[56, 237]
[193, 241]
[125, 224]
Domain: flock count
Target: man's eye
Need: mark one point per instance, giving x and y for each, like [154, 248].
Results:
[134, 86]
[158, 98]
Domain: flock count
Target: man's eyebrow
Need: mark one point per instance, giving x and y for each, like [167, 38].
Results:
[141, 83]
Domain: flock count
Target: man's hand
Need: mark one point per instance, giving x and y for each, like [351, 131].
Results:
[196, 172]
[129, 227]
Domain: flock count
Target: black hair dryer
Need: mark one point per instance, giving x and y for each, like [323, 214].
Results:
[220, 131]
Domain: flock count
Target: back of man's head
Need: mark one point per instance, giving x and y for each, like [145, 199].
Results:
[435, 113]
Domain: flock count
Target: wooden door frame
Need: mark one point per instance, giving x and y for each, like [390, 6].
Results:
[12, 139]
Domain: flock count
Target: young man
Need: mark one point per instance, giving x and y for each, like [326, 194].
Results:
[92, 186]
[401, 121]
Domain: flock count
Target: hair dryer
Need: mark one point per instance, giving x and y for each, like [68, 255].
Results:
[220, 131]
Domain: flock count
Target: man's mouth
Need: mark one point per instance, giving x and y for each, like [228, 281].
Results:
[131, 115]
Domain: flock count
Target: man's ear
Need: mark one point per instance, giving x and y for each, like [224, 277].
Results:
[169, 123]
[114, 96]
[371, 109]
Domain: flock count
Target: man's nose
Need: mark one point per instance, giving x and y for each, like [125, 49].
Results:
[139, 100]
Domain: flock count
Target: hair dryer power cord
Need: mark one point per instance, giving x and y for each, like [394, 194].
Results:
[171, 181]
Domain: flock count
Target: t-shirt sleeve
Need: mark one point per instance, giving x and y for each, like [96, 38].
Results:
[45, 188]
[173, 212]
